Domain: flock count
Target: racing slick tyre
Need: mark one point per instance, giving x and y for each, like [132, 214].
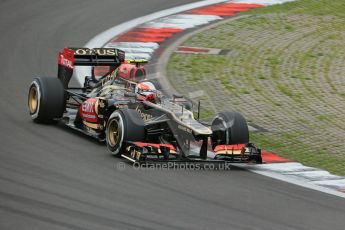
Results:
[229, 128]
[123, 125]
[46, 99]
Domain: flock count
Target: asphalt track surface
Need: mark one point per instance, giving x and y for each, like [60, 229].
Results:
[53, 178]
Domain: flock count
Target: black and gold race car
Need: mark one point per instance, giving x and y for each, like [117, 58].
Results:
[135, 119]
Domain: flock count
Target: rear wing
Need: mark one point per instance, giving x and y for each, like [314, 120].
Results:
[71, 57]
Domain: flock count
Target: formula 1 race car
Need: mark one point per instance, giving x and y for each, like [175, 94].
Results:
[135, 119]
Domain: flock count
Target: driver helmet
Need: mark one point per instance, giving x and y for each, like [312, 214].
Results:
[146, 91]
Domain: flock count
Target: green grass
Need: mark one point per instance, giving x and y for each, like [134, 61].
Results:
[280, 74]
[299, 152]
[205, 114]
[312, 7]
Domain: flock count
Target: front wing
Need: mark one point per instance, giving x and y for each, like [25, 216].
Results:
[152, 153]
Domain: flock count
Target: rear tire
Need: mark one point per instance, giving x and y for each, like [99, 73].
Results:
[46, 99]
[229, 128]
[123, 125]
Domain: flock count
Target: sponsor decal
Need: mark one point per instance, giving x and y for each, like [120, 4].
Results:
[66, 60]
[135, 155]
[185, 129]
[97, 51]
[92, 116]
[87, 111]
[122, 106]
[88, 107]
[110, 77]
[101, 103]
[143, 115]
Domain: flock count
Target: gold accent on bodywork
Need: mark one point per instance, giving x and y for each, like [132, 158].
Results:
[96, 106]
[91, 125]
[229, 152]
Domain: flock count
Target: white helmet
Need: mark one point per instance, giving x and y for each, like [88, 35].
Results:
[146, 91]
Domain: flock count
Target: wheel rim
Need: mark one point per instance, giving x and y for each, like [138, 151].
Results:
[33, 99]
[114, 132]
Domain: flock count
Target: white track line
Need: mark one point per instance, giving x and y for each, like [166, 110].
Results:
[149, 45]
[297, 173]
[300, 182]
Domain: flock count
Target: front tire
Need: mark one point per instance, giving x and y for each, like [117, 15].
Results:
[229, 128]
[123, 125]
[46, 99]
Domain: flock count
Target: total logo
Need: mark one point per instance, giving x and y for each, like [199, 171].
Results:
[88, 111]
[88, 107]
